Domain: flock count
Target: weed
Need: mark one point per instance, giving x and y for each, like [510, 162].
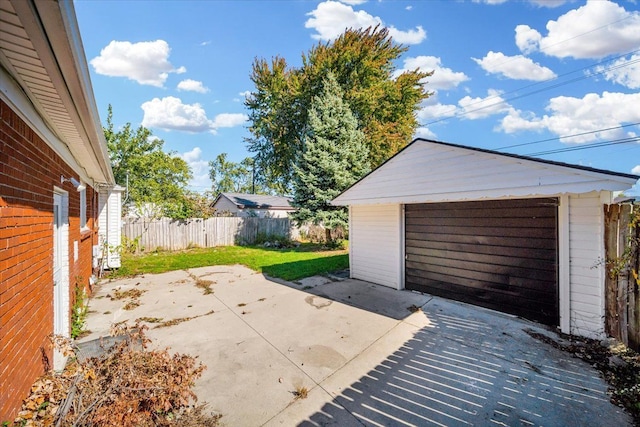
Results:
[149, 319]
[179, 320]
[413, 308]
[131, 293]
[131, 304]
[79, 311]
[300, 393]
[202, 283]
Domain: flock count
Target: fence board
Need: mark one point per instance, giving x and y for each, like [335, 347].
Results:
[622, 299]
[167, 234]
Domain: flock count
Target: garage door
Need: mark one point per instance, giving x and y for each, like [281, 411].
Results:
[497, 254]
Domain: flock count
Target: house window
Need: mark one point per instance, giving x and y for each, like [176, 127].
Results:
[83, 208]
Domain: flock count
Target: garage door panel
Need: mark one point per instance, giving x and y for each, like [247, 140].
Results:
[541, 254]
[506, 270]
[527, 212]
[498, 254]
[484, 288]
[544, 222]
[495, 259]
[492, 300]
[526, 232]
[420, 269]
[512, 242]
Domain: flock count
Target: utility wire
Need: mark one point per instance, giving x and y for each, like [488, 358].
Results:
[543, 89]
[587, 146]
[568, 136]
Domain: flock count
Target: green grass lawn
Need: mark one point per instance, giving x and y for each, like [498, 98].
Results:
[288, 264]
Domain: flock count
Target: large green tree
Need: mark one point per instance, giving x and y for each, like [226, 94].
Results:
[362, 61]
[153, 177]
[334, 155]
[232, 177]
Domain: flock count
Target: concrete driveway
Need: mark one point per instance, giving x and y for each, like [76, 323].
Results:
[364, 353]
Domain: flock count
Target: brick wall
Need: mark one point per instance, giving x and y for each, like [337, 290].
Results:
[29, 170]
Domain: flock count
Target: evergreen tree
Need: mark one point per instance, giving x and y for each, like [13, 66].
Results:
[333, 157]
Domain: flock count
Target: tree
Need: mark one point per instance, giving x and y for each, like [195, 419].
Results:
[152, 176]
[191, 205]
[362, 61]
[228, 176]
[333, 157]
[231, 177]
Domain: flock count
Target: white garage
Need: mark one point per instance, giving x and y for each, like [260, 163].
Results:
[521, 235]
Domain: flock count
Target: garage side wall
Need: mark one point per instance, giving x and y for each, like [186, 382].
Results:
[586, 251]
[375, 238]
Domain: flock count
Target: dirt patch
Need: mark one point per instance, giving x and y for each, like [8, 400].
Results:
[619, 365]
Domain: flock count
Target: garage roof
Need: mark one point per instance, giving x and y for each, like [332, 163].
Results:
[428, 171]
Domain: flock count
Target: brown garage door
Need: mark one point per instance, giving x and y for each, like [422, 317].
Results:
[499, 254]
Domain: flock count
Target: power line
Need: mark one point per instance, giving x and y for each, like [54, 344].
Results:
[568, 136]
[543, 89]
[587, 146]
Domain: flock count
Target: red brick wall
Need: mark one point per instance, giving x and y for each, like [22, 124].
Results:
[29, 169]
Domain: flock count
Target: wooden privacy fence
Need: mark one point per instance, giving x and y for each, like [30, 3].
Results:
[173, 235]
[622, 293]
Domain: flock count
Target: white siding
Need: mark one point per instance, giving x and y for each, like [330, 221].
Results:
[110, 226]
[586, 251]
[376, 244]
[224, 205]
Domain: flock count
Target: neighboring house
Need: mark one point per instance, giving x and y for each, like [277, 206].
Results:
[252, 205]
[56, 185]
[520, 235]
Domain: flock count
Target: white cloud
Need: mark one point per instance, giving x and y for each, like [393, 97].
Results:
[570, 116]
[436, 111]
[480, 108]
[192, 86]
[527, 39]
[636, 170]
[170, 113]
[229, 120]
[199, 167]
[353, 2]
[332, 18]
[442, 78]
[595, 30]
[245, 93]
[146, 62]
[515, 122]
[516, 67]
[625, 72]
[424, 132]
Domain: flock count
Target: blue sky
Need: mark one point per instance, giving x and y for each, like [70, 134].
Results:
[524, 76]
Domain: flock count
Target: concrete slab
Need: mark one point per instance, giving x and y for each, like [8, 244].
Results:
[368, 355]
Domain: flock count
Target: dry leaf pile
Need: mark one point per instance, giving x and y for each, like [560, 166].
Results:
[128, 385]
